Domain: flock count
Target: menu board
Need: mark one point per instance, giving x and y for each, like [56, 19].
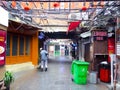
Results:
[2, 46]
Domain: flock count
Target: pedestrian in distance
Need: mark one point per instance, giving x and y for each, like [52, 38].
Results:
[44, 59]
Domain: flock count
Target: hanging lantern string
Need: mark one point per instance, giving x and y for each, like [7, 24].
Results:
[84, 6]
[13, 4]
[84, 3]
[102, 4]
[56, 4]
[92, 3]
[26, 8]
[26, 3]
[99, 3]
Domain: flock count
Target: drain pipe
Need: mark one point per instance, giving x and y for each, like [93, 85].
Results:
[80, 50]
[113, 58]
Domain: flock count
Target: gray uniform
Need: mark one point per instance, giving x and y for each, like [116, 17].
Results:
[44, 58]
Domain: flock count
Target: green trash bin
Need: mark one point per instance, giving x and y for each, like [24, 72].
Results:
[79, 71]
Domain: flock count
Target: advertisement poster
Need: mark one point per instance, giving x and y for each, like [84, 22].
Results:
[2, 47]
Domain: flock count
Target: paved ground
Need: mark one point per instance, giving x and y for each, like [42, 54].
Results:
[57, 77]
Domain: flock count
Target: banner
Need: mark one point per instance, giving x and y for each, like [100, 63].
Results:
[73, 25]
[2, 46]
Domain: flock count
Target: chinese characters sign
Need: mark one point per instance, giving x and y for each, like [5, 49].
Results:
[99, 35]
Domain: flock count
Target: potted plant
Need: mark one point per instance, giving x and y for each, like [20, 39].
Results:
[8, 79]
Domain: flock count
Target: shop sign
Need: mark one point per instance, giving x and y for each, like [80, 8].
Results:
[99, 35]
[111, 45]
[2, 47]
[118, 49]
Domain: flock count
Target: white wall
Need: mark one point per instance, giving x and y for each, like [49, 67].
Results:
[3, 17]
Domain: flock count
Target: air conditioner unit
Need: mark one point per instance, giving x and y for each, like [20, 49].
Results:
[74, 16]
[78, 16]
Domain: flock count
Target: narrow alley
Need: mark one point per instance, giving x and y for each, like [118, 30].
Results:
[81, 39]
[58, 77]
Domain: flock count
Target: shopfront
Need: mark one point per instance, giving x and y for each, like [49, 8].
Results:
[22, 44]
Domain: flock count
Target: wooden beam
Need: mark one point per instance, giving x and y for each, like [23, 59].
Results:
[60, 0]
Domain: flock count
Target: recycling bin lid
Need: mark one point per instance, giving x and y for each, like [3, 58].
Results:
[80, 62]
[104, 62]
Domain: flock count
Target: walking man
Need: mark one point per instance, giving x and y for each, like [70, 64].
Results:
[44, 59]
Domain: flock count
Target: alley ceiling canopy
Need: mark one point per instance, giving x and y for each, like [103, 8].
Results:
[45, 13]
[60, 0]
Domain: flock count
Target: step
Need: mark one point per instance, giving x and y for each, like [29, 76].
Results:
[20, 67]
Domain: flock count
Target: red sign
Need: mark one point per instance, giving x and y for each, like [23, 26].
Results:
[2, 47]
[99, 35]
[111, 47]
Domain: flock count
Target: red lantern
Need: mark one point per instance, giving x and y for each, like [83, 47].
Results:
[56, 5]
[102, 5]
[13, 4]
[84, 8]
[27, 7]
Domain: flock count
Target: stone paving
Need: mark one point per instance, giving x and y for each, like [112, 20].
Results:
[58, 77]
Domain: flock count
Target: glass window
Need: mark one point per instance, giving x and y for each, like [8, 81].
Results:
[8, 46]
[27, 51]
[21, 46]
[14, 45]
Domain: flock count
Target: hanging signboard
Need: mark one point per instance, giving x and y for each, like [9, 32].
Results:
[99, 35]
[2, 47]
[118, 49]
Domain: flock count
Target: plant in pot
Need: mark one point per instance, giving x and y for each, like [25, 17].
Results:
[8, 79]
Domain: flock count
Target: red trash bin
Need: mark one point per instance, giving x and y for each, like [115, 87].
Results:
[101, 74]
[105, 72]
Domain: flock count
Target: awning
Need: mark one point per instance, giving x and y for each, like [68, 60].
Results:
[73, 25]
[85, 34]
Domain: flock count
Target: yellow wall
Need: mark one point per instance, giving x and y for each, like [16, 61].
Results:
[34, 49]
[33, 57]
